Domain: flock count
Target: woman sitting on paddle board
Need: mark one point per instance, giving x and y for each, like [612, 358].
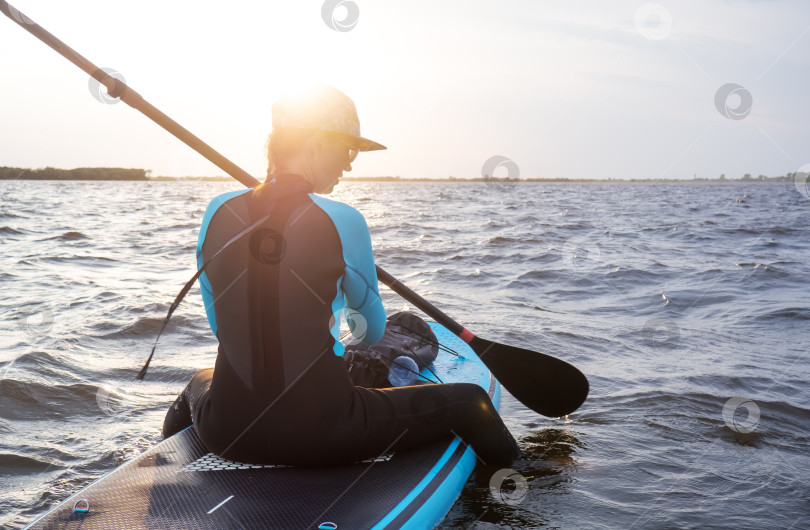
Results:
[280, 392]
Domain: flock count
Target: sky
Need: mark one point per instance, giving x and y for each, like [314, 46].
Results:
[579, 89]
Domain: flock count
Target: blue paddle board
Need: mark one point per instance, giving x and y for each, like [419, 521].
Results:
[179, 484]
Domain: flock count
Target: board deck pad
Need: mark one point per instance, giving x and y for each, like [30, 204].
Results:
[180, 484]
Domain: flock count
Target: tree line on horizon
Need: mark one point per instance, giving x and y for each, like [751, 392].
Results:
[80, 173]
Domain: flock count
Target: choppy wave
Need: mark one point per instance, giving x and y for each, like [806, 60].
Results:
[69, 236]
[8, 231]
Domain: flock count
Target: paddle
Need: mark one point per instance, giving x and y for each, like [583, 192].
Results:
[543, 383]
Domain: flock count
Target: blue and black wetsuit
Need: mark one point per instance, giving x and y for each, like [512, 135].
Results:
[280, 392]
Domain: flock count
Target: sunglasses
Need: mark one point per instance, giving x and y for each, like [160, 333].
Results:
[352, 151]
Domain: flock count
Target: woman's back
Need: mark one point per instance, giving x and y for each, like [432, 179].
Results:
[274, 298]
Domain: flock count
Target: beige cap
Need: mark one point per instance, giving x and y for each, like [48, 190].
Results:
[323, 108]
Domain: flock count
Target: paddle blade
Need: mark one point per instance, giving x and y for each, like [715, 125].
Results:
[545, 384]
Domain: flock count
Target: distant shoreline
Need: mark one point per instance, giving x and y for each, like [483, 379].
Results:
[116, 174]
[80, 173]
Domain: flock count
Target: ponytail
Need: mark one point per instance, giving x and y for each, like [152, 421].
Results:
[284, 143]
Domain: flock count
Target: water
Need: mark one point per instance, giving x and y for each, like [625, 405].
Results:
[673, 299]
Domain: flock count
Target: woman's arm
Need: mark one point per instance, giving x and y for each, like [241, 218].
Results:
[360, 285]
[365, 311]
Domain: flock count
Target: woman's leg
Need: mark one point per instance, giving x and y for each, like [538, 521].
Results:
[466, 411]
[379, 420]
[399, 418]
[180, 413]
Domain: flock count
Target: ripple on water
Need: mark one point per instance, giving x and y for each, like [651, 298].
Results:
[8, 231]
[68, 236]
